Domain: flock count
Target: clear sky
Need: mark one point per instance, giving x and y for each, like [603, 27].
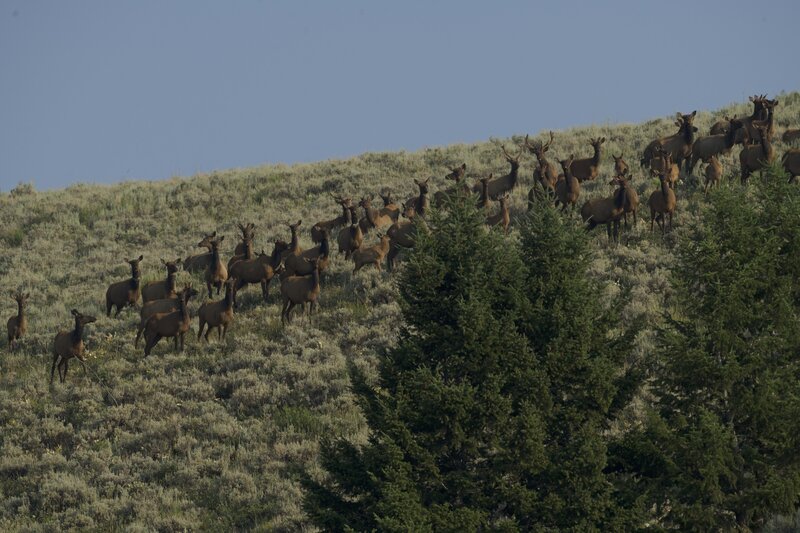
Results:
[104, 91]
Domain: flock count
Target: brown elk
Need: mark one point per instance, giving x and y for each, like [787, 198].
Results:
[791, 163]
[588, 168]
[662, 203]
[153, 307]
[300, 290]
[260, 269]
[217, 272]
[318, 229]
[755, 157]
[303, 267]
[568, 189]
[628, 196]
[158, 290]
[506, 183]
[371, 255]
[484, 201]
[217, 314]
[200, 262]
[620, 166]
[663, 163]
[292, 256]
[769, 122]
[173, 324]
[125, 293]
[17, 325]
[69, 344]
[722, 126]
[502, 218]
[389, 209]
[607, 211]
[679, 145]
[713, 174]
[545, 173]
[790, 136]
[748, 132]
[706, 147]
[372, 217]
[350, 237]
[401, 235]
[420, 202]
[456, 174]
[243, 250]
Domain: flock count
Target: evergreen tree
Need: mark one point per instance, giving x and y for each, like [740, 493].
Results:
[721, 449]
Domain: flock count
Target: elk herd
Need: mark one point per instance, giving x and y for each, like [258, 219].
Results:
[165, 312]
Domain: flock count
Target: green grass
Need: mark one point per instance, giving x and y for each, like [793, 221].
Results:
[213, 438]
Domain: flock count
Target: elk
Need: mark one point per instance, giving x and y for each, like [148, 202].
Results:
[484, 201]
[173, 324]
[17, 325]
[769, 122]
[755, 157]
[372, 217]
[243, 250]
[620, 166]
[200, 262]
[318, 229]
[421, 202]
[505, 183]
[663, 163]
[606, 211]
[401, 235]
[303, 267]
[790, 136]
[291, 257]
[125, 293]
[217, 272]
[568, 189]
[69, 344]
[502, 218]
[628, 196]
[260, 269]
[456, 174]
[150, 308]
[350, 237]
[679, 145]
[217, 314]
[588, 168]
[791, 163]
[545, 173]
[300, 290]
[371, 255]
[706, 147]
[748, 131]
[662, 203]
[158, 290]
[721, 127]
[713, 173]
[389, 209]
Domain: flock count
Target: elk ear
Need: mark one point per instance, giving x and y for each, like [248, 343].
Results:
[463, 166]
[141, 257]
[75, 312]
[178, 261]
[221, 239]
[693, 113]
[694, 128]
[27, 295]
[214, 234]
[163, 262]
[603, 140]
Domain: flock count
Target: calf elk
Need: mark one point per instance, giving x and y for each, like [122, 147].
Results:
[371, 255]
[69, 344]
[17, 325]
[713, 174]
[125, 293]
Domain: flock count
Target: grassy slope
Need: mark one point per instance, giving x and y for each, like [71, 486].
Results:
[214, 437]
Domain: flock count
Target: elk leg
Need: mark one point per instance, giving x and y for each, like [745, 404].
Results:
[56, 358]
[65, 362]
[83, 364]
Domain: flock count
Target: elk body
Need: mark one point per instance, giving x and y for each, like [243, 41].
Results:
[791, 163]
[200, 262]
[759, 113]
[568, 189]
[790, 136]
[243, 250]
[158, 290]
[769, 121]
[173, 324]
[321, 252]
[588, 168]
[217, 314]
[502, 218]
[628, 196]
[389, 209]
[456, 174]
[17, 325]
[349, 238]
[713, 174]
[217, 272]
[506, 183]
[299, 290]
[373, 217]
[755, 157]
[721, 127]
[318, 229]
[401, 235]
[371, 255]
[705, 148]
[167, 305]
[662, 204]
[260, 269]
[420, 202]
[292, 257]
[69, 344]
[607, 211]
[663, 163]
[124, 293]
[545, 173]
[679, 145]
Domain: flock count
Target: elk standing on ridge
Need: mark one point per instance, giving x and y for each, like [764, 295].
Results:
[243, 250]
[217, 314]
[506, 183]
[678, 145]
[159, 290]
[350, 237]
[167, 305]
[502, 218]
[371, 255]
[706, 147]
[389, 209]
[200, 262]
[748, 132]
[217, 272]
[372, 217]
[588, 168]
[174, 324]
[713, 174]
[456, 174]
[545, 173]
[401, 235]
[17, 325]
[318, 229]
[628, 196]
[568, 189]
[69, 344]
[300, 290]
[755, 157]
[420, 202]
[125, 293]
[662, 203]
[303, 267]
[260, 269]
[606, 211]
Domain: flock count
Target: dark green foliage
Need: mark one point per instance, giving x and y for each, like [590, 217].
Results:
[722, 447]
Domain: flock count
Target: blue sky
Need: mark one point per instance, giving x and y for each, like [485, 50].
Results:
[100, 92]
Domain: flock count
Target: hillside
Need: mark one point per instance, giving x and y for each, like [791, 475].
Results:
[214, 438]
